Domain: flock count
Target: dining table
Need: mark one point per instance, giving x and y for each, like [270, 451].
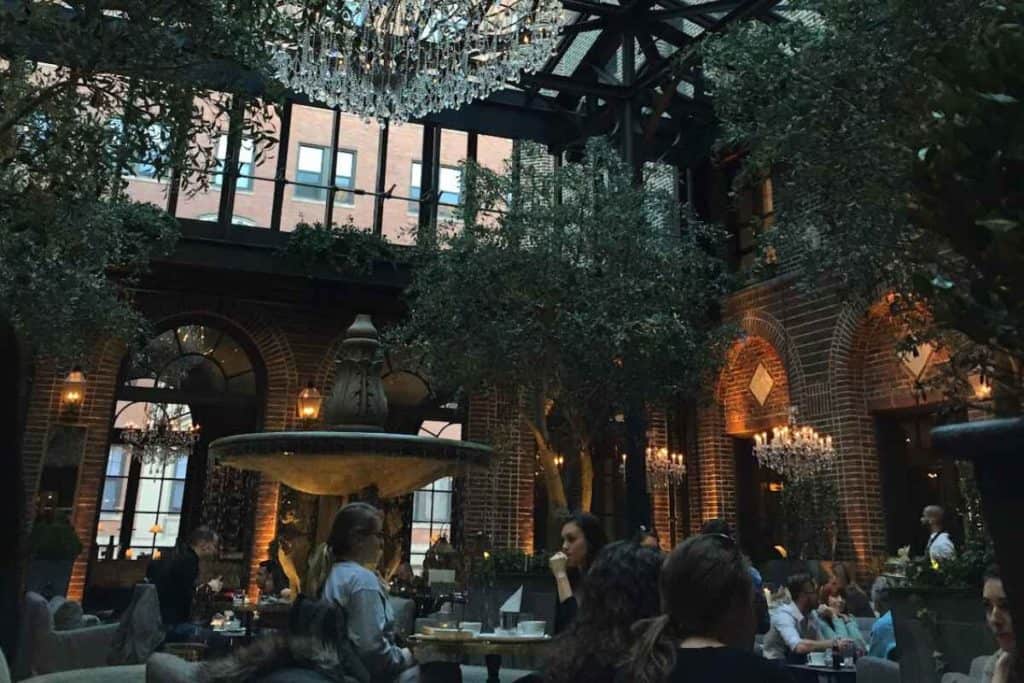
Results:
[810, 673]
[492, 647]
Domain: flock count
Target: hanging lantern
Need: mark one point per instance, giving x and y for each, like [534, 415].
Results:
[73, 392]
[309, 403]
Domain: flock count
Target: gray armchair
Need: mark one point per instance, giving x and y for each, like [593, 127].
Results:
[47, 650]
[876, 670]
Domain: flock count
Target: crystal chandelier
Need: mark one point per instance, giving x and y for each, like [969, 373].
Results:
[160, 443]
[793, 451]
[665, 469]
[403, 59]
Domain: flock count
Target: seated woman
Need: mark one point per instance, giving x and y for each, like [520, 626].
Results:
[704, 637]
[620, 589]
[582, 538]
[834, 622]
[356, 543]
[1001, 668]
[857, 602]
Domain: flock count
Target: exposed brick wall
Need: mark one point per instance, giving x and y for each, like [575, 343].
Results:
[499, 501]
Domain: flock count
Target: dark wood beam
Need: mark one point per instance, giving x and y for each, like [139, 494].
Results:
[648, 47]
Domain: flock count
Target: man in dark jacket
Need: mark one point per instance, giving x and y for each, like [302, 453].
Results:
[176, 578]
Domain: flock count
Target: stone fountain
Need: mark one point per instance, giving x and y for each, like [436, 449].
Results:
[354, 452]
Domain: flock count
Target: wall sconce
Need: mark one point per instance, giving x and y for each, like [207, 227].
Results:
[72, 393]
[309, 403]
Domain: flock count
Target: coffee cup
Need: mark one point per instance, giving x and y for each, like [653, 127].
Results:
[816, 659]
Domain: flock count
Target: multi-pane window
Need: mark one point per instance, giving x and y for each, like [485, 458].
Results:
[159, 139]
[245, 163]
[313, 169]
[431, 519]
[235, 220]
[449, 189]
[432, 504]
[141, 504]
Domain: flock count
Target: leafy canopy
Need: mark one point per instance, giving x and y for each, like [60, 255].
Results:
[90, 90]
[572, 284]
[892, 131]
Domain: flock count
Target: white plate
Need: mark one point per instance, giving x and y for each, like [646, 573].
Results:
[512, 637]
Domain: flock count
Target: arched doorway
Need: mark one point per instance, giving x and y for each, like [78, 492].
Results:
[195, 374]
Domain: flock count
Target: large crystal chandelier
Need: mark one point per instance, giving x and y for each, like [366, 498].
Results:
[403, 59]
[665, 469]
[163, 441]
[793, 451]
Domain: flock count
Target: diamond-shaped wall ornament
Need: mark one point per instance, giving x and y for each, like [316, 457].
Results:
[915, 363]
[761, 384]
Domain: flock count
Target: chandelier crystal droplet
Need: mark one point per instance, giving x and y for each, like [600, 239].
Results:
[401, 60]
[793, 451]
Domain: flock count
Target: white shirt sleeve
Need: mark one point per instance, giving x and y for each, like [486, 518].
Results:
[785, 623]
[941, 548]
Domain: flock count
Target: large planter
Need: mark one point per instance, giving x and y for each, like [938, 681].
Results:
[938, 630]
[49, 577]
[996, 447]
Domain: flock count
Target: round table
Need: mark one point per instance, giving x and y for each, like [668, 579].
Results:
[491, 647]
[806, 672]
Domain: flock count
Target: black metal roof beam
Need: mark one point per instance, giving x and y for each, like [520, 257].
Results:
[697, 10]
[596, 24]
[565, 84]
[670, 34]
[598, 9]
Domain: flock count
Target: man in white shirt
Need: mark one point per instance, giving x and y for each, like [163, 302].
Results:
[793, 633]
[939, 547]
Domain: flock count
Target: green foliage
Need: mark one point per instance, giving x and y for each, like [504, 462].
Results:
[483, 570]
[342, 248]
[810, 514]
[966, 570]
[54, 540]
[968, 192]
[570, 285]
[893, 132]
[89, 94]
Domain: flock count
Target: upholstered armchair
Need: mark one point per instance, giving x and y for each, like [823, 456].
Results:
[46, 650]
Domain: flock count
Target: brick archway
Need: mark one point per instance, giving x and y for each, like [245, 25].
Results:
[731, 409]
[271, 351]
[865, 375]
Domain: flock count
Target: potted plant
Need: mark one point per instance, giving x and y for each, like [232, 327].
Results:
[937, 612]
[53, 547]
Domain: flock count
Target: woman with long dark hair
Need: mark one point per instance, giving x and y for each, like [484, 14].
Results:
[356, 543]
[708, 622]
[620, 589]
[582, 539]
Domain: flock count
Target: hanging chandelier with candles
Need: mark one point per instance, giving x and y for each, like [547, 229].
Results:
[161, 442]
[793, 451]
[402, 60]
[665, 469]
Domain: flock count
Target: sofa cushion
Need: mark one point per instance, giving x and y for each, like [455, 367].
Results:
[165, 668]
[67, 614]
[100, 674]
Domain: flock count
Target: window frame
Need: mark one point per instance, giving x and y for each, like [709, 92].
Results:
[246, 169]
[448, 208]
[344, 195]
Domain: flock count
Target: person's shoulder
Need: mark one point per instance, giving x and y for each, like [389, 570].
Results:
[353, 577]
[727, 663]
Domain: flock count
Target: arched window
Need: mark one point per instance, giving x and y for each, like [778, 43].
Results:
[188, 376]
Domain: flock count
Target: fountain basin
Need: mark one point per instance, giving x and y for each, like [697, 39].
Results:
[340, 463]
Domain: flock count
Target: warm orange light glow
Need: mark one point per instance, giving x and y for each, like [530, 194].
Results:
[775, 486]
[309, 403]
[73, 392]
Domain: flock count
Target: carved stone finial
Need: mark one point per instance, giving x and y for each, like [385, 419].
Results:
[357, 401]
